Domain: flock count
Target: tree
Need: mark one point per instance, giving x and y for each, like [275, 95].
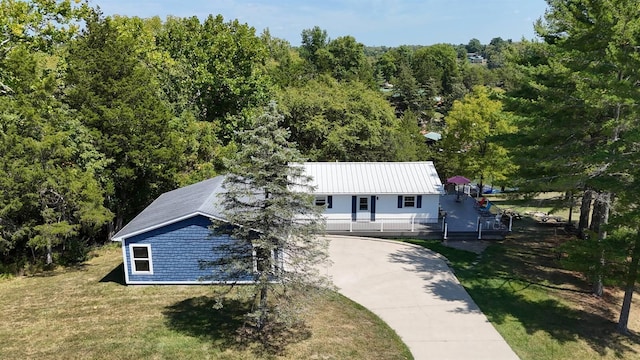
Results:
[594, 76]
[269, 204]
[470, 138]
[436, 68]
[339, 121]
[51, 201]
[474, 46]
[221, 69]
[313, 41]
[119, 98]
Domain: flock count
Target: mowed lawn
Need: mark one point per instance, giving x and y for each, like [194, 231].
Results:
[86, 313]
[542, 310]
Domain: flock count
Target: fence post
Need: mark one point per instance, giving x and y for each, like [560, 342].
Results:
[480, 231]
[510, 222]
[350, 226]
[382, 226]
[413, 220]
[446, 228]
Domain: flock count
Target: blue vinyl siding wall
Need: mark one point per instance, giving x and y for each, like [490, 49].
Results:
[176, 250]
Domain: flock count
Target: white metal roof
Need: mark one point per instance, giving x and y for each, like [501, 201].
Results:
[419, 177]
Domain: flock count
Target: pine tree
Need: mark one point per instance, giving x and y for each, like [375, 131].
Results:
[268, 202]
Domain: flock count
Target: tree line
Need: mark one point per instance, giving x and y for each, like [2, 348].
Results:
[101, 114]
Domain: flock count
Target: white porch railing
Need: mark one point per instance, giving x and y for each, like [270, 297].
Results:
[384, 225]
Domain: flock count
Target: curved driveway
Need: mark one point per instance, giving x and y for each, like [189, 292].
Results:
[413, 290]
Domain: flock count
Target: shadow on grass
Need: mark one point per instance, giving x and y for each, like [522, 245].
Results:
[227, 328]
[115, 276]
[502, 300]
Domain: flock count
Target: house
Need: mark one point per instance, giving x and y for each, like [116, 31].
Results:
[166, 242]
[372, 195]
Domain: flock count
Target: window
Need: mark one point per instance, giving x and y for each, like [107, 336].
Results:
[409, 201]
[321, 200]
[324, 200]
[263, 258]
[364, 204]
[141, 259]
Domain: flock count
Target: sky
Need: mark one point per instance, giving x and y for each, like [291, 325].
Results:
[371, 22]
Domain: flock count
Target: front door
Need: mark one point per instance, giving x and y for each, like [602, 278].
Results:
[364, 208]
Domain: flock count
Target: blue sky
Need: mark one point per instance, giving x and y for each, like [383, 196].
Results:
[371, 22]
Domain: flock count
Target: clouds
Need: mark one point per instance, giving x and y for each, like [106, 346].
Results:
[372, 22]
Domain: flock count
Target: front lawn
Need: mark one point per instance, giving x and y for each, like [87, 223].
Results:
[86, 313]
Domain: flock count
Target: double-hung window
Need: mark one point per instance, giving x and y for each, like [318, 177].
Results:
[141, 262]
[363, 204]
[409, 201]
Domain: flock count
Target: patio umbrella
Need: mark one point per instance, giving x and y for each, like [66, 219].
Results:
[458, 180]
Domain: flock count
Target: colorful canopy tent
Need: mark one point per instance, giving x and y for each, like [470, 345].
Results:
[458, 180]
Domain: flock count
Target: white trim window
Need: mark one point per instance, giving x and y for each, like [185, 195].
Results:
[321, 200]
[410, 201]
[363, 203]
[262, 258]
[141, 261]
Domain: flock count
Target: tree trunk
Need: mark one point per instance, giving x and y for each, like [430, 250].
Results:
[49, 260]
[569, 196]
[262, 319]
[585, 209]
[596, 215]
[632, 275]
[603, 204]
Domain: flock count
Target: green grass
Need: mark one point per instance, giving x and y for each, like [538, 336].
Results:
[86, 313]
[542, 311]
[550, 203]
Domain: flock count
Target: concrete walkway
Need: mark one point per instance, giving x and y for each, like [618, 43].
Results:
[415, 293]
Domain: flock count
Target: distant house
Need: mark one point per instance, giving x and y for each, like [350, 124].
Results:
[476, 58]
[376, 192]
[165, 243]
[432, 137]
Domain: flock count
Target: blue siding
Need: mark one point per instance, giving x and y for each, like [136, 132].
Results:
[176, 250]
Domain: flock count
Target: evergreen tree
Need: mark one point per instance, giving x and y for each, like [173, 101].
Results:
[274, 219]
[120, 100]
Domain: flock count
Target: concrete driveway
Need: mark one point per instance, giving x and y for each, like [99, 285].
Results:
[413, 290]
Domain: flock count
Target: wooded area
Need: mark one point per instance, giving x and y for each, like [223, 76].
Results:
[99, 115]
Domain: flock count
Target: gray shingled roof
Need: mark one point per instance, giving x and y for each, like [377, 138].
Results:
[418, 177]
[199, 198]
